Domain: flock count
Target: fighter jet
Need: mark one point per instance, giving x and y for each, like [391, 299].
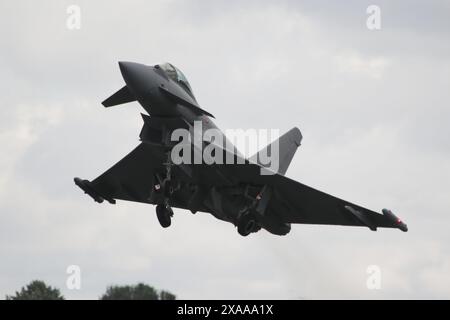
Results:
[240, 193]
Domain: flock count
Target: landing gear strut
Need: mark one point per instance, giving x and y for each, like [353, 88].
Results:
[167, 184]
[163, 210]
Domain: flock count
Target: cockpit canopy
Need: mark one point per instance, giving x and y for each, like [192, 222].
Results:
[175, 74]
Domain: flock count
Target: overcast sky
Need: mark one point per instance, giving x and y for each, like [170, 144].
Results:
[373, 108]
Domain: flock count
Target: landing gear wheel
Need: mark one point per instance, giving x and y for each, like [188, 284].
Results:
[246, 224]
[164, 214]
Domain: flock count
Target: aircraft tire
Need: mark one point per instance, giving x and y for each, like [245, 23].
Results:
[164, 215]
[246, 225]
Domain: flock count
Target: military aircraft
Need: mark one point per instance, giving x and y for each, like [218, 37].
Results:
[237, 193]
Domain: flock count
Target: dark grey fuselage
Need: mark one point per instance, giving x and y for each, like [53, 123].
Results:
[148, 84]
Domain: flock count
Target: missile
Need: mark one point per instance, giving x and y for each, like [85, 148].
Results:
[395, 220]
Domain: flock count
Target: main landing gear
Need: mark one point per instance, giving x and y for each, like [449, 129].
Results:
[247, 224]
[247, 221]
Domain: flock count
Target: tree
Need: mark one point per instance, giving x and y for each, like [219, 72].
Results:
[166, 295]
[135, 292]
[37, 290]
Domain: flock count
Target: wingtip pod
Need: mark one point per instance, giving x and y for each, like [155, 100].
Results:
[395, 220]
[85, 185]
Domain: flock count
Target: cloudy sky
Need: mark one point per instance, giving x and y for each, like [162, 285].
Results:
[373, 107]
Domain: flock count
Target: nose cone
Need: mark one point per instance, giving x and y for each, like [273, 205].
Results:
[136, 76]
[131, 71]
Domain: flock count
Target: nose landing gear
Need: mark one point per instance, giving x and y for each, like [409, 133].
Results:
[166, 188]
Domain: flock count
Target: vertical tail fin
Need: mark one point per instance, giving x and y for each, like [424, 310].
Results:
[287, 145]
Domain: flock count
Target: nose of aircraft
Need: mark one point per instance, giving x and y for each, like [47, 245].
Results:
[129, 70]
[135, 75]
